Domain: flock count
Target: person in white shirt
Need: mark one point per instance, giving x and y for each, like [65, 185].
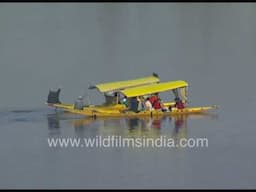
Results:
[148, 105]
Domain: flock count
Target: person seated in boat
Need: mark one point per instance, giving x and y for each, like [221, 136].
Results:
[148, 105]
[158, 105]
[124, 101]
[153, 98]
[178, 103]
[140, 104]
[79, 103]
[134, 104]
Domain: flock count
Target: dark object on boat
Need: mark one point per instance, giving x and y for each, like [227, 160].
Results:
[155, 75]
[53, 97]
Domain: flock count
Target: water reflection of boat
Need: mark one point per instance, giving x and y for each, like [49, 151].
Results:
[79, 123]
[180, 127]
[150, 126]
[180, 124]
[53, 124]
[175, 126]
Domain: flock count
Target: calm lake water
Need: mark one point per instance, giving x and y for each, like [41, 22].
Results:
[29, 162]
[212, 46]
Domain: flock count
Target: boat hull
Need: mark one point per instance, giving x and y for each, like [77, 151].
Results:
[120, 111]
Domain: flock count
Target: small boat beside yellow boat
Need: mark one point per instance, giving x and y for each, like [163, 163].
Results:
[141, 87]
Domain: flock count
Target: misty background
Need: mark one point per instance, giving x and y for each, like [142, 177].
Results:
[74, 45]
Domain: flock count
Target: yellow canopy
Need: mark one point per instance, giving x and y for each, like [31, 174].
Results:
[118, 85]
[153, 88]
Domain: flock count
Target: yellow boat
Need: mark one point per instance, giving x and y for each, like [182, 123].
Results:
[179, 89]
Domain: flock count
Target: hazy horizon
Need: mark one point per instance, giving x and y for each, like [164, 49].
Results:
[74, 45]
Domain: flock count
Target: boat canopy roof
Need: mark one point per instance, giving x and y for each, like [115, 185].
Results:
[119, 85]
[153, 88]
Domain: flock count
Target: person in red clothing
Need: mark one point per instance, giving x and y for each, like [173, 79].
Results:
[179, 104]
[157, 104]
[153, 98]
